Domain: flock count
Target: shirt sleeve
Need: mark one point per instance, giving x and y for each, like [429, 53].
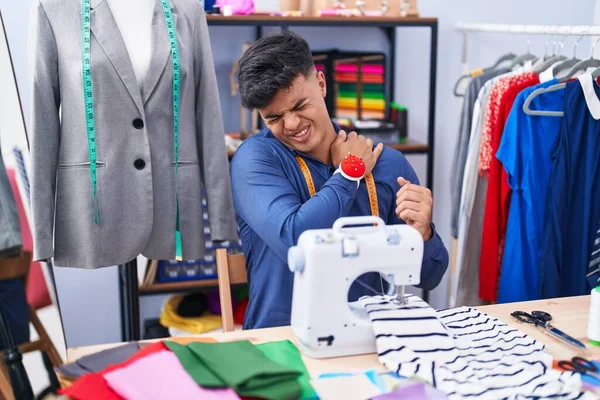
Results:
[266, 200]
[435, 254]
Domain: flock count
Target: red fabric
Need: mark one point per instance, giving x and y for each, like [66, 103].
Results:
[493, 117]
[497, 201]
[37, 291]
[93, 386]
[240, 311]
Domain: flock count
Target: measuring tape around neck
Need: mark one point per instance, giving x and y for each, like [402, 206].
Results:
[373, 203]
[89, 105]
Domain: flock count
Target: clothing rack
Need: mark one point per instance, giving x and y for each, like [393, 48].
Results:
[560, 30]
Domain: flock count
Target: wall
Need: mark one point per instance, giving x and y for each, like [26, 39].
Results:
[93, 296]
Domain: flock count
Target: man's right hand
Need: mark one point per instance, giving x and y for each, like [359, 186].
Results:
[357, 145]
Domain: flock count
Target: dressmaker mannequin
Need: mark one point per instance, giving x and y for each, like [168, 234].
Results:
[134, 18]
[132, 207]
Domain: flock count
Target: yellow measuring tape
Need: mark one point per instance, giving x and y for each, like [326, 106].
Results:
[368, 178]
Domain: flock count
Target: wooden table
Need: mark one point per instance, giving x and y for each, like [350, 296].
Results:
[570, 315]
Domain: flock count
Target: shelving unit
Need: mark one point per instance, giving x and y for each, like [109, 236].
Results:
[128, 274]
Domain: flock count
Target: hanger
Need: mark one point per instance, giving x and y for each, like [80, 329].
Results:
[523, 58]
[504, 58]
[568, 63]
[537, 92]
[583, 65]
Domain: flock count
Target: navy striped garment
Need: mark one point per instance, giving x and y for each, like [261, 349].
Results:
[465, 353]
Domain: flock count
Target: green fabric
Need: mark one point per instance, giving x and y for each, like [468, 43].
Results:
[367, 87]
[240, 293]
[285, 353]
[365, 95]
[197, 370]
[241, 366]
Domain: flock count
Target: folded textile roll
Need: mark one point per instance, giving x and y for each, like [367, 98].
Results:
[464, 352]
[239, 365]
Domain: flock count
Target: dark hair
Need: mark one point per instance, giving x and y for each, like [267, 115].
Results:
[271, 64]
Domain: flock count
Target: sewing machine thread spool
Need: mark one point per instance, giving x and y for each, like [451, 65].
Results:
[593, 331]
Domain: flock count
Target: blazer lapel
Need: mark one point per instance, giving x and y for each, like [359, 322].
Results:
[161, 48]
[106, 31]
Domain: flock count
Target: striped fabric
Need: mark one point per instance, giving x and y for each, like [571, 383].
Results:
[594, 264]
[465, 353]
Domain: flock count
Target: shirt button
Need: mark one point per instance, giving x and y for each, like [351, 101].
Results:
[138, 123]
[139, 163]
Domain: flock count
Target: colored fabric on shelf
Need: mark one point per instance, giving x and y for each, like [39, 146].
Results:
[353, 113]
[196, 325]
[146, 379]
[464, 353]
[286, 353]
[367, 87]
[240, 312]
[94, 387]
[239, 365]
[353, 78]
[369, 104]
[497, 199]
[365, 95]
[375, 69]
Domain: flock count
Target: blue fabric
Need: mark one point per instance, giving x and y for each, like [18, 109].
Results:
[273, 207]
[524, 151]
[15, 309]
[573, 201]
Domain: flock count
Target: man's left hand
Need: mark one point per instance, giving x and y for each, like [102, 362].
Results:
[413, 205]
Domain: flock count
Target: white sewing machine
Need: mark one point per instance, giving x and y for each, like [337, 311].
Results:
[327, 261]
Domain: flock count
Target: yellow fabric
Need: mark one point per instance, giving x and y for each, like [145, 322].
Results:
[369, 104]
[196, 325]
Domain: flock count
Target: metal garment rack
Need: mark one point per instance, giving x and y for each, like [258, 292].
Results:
[560, 30]
[128, 283]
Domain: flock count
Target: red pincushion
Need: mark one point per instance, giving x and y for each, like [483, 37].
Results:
[353, 166]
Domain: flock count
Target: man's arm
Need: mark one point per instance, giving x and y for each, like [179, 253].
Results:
[265, 198]
[435, 255]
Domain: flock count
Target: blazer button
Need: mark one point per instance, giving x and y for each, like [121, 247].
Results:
[139, 163]
[138, 123]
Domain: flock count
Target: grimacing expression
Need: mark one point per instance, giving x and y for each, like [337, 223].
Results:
[298, 116]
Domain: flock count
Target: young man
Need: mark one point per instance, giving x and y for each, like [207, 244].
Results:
[271, 194]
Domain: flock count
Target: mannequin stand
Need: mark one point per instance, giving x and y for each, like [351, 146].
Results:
[130, 302]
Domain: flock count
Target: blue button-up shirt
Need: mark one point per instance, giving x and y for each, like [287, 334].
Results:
[273, 207]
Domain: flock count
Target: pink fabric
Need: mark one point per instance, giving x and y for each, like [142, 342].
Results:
[238, 7]
[37, 291]
[366, 69]
[160, 375]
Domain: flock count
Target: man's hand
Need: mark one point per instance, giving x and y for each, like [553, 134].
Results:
[356, 145]
[413, 205]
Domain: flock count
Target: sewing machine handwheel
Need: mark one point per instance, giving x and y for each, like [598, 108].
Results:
[362, 220]
[296, 260]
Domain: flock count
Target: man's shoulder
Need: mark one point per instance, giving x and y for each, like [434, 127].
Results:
[260, 142]
[391, 159]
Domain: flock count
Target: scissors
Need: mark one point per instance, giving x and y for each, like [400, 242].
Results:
[542, 319]
[580, 365]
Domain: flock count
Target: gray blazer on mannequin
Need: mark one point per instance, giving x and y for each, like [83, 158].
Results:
[135, 144]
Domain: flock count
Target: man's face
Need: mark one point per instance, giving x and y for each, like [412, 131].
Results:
[298, 116]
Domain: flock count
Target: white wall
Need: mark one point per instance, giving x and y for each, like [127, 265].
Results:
[93, 296]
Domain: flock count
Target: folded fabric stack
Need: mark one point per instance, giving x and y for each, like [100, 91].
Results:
[196, 370]
[372, 90]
